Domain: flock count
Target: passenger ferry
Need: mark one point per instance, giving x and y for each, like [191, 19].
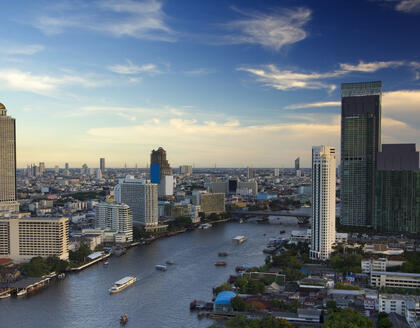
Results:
[122, 284]
[161, 267]
[239, 239]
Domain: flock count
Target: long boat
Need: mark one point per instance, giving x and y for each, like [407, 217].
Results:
[239, 239]
[122, 284]
[7, 295]
[161, 267]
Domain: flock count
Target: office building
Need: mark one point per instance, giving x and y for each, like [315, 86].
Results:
[102, 165]
[115, 217]
[212, 203]
[159, 169]
[41, 168]
[142, 197]
[7, 162]
[297, 163]
[22, 238]
[360, 142]
[407, 306]
[249, 173]
[323, 202]
[276, 172]
[85, 169]
[397, 189]
[379, 279]
[98, 174]
[186, 169]
[56, 169]
[66, 166]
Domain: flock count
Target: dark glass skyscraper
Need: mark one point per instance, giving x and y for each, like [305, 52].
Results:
[297, 163]
[360, 142]
[397, 189]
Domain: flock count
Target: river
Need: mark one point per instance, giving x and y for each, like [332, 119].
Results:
[157, 299]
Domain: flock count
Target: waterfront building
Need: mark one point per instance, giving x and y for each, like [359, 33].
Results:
[186, 169]
[323, 200]
[116, 217]
[22, 238]
[212, 203]
[360, 142]
[7, 162]
[397, 189]
[379, 279]
[142, 197]
[102, 165]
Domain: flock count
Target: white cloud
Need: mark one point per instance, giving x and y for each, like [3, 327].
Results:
[131, 69]
[408, 6]
[273, 30]
[280, 79]
[138, 19]
[198, 72]
[314, 105]
[30, 49]
[42, 84]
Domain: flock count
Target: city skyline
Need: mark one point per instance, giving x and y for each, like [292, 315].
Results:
[83, 88]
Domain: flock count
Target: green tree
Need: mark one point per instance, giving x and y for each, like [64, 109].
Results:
[223, 287]
[347, 318]
[332, 306]
[238, 304]
[383, 320]
[242, 284]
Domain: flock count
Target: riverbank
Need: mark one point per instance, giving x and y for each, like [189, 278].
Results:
[79, 268]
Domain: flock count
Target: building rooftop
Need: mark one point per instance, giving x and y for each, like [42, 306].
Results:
[400, 274]
[224, 297]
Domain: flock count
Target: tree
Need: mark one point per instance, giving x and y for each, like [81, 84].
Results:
[347, 318]
[383, 320]
[242, 284]
[332, 306]
[223, 287]
[238, 304]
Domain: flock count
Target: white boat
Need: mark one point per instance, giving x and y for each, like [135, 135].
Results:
[122, 284]
[21, 292]
[7, 295]
[61, 275]
[170, 262]
[161, 267]
[239, 239]
[204, 226]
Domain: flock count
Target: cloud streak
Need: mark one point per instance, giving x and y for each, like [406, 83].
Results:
[409, 6]
[131, 69]
[274, 30]
[280, 79]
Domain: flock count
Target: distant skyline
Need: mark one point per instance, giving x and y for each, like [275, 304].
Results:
[234, 83]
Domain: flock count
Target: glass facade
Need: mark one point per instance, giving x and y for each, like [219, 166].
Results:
[397, 201]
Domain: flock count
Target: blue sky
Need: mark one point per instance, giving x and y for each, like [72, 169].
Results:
[232, 83]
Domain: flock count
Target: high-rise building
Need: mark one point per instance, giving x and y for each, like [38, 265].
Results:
[84, 169]
[41, 168]
[186, 169]
[98, 174]
[142, 197]
[397, 189]
[323, 202]
[276, 172]
[250, 173]
[7, 162]
[22, 238]
[160, 170]
[116, 217]
[360, 142]
[297, 163]
[212, 203]
[56, 169]
[66, 166]
[102, 165]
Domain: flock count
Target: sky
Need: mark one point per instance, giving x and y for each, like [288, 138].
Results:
[226, 83]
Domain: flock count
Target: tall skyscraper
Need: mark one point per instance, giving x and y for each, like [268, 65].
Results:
[142, 197]
[186, 169]
[397, 189]
[161, 172]
[102, 165]
[117, 217]
[360, 142]
[66, 166]
[7, 162]
[297, 163]
[323, 202]
[41, 168]
[250, 173]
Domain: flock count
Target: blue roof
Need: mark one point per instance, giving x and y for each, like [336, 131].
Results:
[224, 297]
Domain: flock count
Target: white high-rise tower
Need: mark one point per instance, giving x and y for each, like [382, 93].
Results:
[323, 202]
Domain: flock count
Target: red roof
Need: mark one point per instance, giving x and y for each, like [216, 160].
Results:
[4, 261]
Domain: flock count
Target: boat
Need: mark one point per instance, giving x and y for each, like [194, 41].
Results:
[122, 284]
[61, 275]
[239, 239]
[7, 295]
[106, 263]
[123, 319]
[223, 254]
[204, 226]
[220, 263]
[161, 267]
[22, 292]
[170, 262]
[270, 250]
[282, 231]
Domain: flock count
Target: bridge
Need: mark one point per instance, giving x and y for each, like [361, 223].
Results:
[301, 217]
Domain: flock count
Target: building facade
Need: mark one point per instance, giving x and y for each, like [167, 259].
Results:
[397, 189]
[22, 238]
[186, 169]
[212, 203]
[360, 142]
[323, 202]
[161, 172]
[7, 162]
[116, 217]
[381, 279]
[142, 197]
[102, 165]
